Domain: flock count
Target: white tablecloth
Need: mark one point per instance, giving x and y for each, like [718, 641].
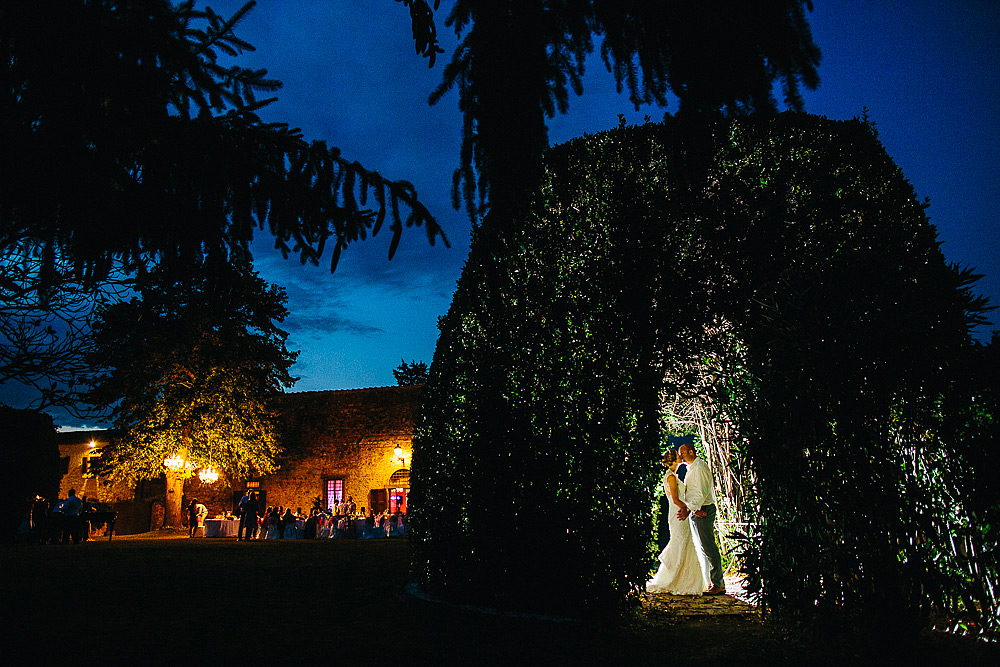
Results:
[221, 527]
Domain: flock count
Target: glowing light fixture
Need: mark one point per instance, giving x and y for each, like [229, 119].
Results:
[399, 455]
[208, 475]
[176, 463]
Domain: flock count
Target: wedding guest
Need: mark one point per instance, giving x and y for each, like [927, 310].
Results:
[202, 514]
[84, 528]
[248, 518]
[24, 525]
[40, 520]
[239, 513]
[281, 522]
[288, 525]
[192, 517]
[265, 522]
[71, 509]
[311, 524]
[274, 523]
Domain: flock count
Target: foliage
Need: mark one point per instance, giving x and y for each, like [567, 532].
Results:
[29, 452]
[846, 334]
[411, 373]
[134, 142]
[796, 293]
[535, 457]
[191, 365]
[45, 331]
[423, 28]
[518, 60]
[964, 452]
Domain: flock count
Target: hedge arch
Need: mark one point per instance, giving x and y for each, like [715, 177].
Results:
[783, 278]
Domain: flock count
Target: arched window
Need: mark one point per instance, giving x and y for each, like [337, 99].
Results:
[400, 478]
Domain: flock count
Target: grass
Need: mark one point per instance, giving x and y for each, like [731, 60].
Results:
[181, 601]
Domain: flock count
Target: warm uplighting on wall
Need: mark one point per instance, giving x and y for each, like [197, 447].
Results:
[208, 475]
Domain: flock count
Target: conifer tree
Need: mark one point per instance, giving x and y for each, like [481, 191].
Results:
[131, 141]
[412, 373]
[519, 59]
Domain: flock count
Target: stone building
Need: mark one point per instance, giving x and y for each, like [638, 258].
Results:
[79, 449]
[335, 444]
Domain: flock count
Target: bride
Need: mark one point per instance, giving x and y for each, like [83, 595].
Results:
[680, 571]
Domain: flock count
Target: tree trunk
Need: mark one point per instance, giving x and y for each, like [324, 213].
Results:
[175, 493]
[174, 517]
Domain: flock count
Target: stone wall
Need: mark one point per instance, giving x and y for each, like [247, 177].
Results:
[349, 435]
[77, 447]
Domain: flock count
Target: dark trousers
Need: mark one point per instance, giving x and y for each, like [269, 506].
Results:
[71, 529]
[248, 525]
[705, 528]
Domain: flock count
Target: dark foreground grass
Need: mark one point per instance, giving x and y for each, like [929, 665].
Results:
[338, 602]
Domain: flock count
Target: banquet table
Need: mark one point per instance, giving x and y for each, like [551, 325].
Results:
[221, 527]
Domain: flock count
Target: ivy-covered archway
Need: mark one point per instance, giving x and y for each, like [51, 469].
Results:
[787, 280]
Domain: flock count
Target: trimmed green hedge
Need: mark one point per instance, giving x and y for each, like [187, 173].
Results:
[781, 270]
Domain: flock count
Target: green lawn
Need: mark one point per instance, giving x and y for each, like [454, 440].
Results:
[182, 601]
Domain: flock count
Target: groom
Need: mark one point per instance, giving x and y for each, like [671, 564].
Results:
[699, 497]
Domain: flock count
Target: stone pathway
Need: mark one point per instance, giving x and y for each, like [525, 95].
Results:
[730, 604]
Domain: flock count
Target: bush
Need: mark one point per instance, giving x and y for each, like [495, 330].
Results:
[787, 277]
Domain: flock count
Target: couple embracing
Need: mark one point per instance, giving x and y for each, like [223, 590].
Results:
[691, 564]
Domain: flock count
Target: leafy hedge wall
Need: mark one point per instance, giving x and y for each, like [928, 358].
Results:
[782, 268]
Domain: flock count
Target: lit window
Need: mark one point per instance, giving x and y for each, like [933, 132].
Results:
[334, 492]
[397, 500]
[88, 465]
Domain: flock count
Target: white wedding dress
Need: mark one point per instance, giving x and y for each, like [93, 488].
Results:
[681, 571]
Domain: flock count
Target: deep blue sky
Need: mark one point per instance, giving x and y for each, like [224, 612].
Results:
[928, 73]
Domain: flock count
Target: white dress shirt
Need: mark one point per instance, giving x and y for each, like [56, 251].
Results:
[699, 488]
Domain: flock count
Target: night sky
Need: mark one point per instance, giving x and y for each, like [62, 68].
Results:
[928, 73]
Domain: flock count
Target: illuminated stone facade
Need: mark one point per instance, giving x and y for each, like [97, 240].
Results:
[78, 447]
[332, 440]
[349, 436]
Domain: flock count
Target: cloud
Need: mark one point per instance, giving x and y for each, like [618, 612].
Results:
[325, 324]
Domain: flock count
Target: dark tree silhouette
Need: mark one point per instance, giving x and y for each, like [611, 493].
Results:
[519, 59]
[132, 142]
[411, 373]
[30, 452]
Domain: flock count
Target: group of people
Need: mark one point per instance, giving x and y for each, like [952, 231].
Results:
[339, 520]
[691, 563]
[63, 522]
